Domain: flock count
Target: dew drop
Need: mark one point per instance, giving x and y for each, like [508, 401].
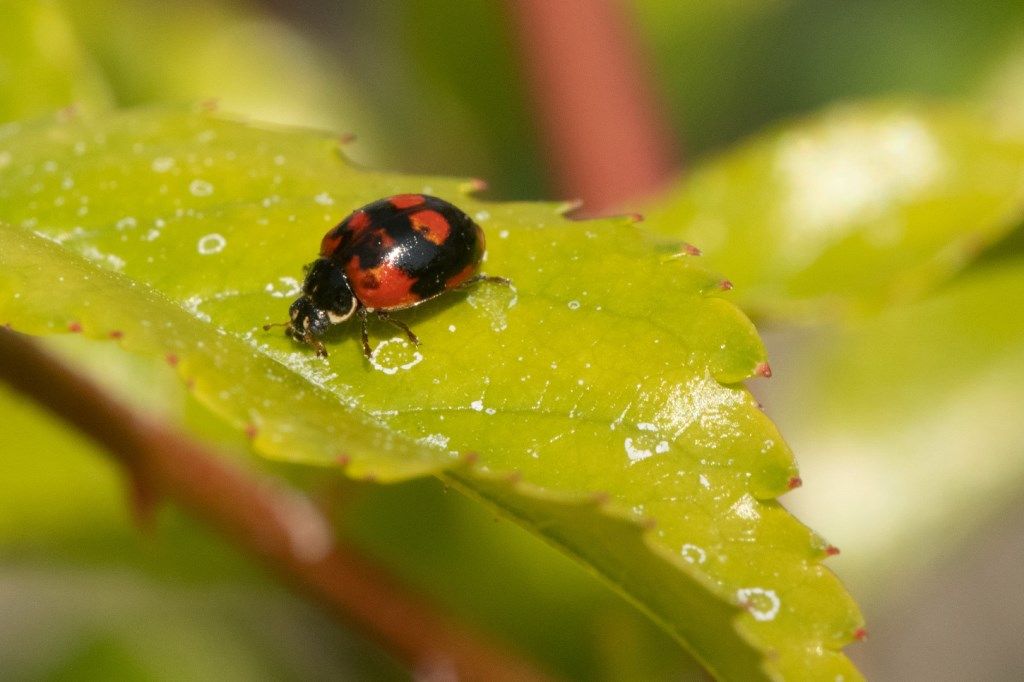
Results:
[393, 355]
[211, 244]
[693, 554]
[200, 188]
[285, 287]
[162, 164]
[762, 604]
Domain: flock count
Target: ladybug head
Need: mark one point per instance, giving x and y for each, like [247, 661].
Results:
[326, 300]
[307, 319]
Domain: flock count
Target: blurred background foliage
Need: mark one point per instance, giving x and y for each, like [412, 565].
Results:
[437, 88]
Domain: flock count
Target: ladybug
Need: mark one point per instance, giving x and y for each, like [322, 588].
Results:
[392, 254]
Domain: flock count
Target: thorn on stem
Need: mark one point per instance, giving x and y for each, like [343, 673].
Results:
[476, 185]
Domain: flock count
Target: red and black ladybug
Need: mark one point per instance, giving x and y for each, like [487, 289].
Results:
[391, 254]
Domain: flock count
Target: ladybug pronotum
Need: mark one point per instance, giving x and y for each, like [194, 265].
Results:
[391, 254]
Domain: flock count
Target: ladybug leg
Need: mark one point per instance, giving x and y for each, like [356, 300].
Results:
[364, 334]
[383, 316]
[309, 339]
[475, 279]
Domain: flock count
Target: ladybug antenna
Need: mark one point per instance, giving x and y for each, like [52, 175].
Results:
[268, 327]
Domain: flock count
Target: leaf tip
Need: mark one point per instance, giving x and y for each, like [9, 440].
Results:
[763, 369]
[116, 334]
[794, 482]
[725, 285]
[831, 550]
[688, 249]
[75, 327]
[860, 634]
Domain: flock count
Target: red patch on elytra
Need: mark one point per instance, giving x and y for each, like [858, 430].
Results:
[432, 225]
[360, 220]
[460, 277]
[385, 286]
[329, 244]
[401, 201]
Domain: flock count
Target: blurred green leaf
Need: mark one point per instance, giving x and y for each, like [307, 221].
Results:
[42, 64]
[92, 624]
[731, 67]
[856, 207]
[921, 406]
[180, 233]
[248, 60]
[441, 543]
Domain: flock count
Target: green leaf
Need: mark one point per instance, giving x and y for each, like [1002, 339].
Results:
[252, 61]
[596, 398]
[853, 208]
[922, 407]
[42, 64]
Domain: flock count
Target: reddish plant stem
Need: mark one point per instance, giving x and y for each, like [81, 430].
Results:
[271, 522]
[606, 137]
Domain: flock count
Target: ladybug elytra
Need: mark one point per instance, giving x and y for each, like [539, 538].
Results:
[391, 254]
